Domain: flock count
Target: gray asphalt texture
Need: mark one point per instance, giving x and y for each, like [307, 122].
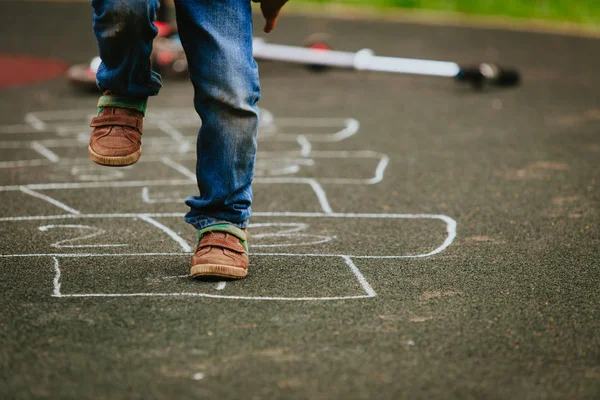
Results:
[509, 310]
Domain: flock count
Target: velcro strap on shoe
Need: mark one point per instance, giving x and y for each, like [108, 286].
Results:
[118, 120]
[211, 239]
[225, 228]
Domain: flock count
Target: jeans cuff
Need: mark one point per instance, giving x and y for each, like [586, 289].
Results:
[202, 222]
[112, 100]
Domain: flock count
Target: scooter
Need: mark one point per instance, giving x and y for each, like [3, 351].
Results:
[169, 59]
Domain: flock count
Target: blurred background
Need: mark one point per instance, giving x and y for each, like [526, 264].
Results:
[582, 11]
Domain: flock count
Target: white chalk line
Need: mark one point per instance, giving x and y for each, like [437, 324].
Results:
[56, 281]
[112, 255]
[172, 234]
[24, 163]
[215, 296]
[179, 168]
[96, 185]
[176, 135]
[316, 239]
[17, 128]
[95, 232]
[370, 293]
[450, 230]
[146, 198]
[321, 196]
[175, 277]
[351, 127]
[93, 173]
[305, 146]
[378, 175]
[35, 122]
[45, 152]
[50, 200]
[315, 186]
[290, 231]
[360, 277]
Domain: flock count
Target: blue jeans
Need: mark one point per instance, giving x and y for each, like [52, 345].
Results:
[217, 38]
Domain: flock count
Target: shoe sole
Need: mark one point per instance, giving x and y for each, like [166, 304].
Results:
[120, 161]
[204, 270]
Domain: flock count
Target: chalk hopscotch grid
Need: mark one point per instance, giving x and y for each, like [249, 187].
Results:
[365, 286]
[69, 122]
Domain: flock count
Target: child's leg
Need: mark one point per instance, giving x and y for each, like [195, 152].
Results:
[217, 38]
[124, 31]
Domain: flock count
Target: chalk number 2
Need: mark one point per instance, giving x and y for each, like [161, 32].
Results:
[86, 232]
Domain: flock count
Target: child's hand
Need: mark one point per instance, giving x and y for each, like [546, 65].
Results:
[270, 10]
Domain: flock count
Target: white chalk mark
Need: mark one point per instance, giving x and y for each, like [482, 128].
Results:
[179, 168]
[35, 122]
[216, 296]
[305, 145]
[198, 376]
[23, 163]
[450, 224]
[316, 187]
[50, 200]
[292, 227]
[313, 240]
[80, 140]
[56, 281]
[290, 231]
[380, 170]
[172, 234]
[95, 232]
[321, 195]
[92, 255]
[176, 135]
[44, 151]
[95, 185]
[450, 229]
[351, 127]
[95, 173]
[359, 276]
[146, 198]
[280, 165]
[176, 276]
[276, 163]
[23, 144]
[266, 117]
[17, 128]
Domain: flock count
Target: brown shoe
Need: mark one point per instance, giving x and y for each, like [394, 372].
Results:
[221, 252]
[116, 140]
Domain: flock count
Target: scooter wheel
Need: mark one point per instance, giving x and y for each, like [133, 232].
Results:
[317, 41]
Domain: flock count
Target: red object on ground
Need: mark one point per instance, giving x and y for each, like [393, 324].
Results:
[164, 28]
[320, 46]
[20, 69]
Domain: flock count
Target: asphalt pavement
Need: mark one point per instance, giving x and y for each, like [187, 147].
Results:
[412, 237]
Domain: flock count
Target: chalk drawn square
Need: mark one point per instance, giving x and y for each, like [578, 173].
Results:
[340, 167]
[313, 129]
[285, 278]
[359, 235]
[356, 235]
[88, 235]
